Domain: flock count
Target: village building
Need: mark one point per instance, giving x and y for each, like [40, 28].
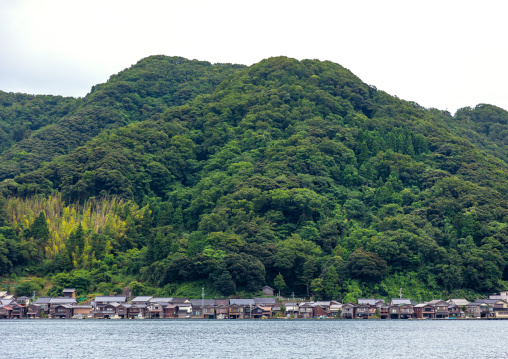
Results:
[335, 309]
[137, 311]
[349, 311]
[5, 312]
[141, 300]
[267, 290]
[69, 293]
[44, 303]
[83, 310]
[60, 311]
[245, 306]
[306, 310]
[221, 308]
[170, 311]
[34, 311]
[184, 310]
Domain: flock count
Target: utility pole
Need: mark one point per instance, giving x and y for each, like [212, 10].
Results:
[400, 293]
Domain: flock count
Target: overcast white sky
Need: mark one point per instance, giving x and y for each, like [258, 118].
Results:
[443, 54]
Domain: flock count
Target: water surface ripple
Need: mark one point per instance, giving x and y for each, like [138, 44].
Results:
[264, 339]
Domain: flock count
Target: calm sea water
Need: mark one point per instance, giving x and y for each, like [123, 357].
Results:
[252, 339]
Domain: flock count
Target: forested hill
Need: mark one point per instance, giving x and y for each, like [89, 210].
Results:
[289, 173]
[136, 94]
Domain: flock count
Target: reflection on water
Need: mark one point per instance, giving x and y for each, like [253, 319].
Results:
[252, 339]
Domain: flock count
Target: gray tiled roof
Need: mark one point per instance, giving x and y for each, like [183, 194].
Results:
[197, 302]
[242, 301]
[62, 301]
[110, 298]
[398, 301]
[145, 298]
[161, 300]
[370, 301]
[43, 300]
[270, 300]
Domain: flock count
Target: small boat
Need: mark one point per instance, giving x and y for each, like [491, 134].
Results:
[116, 316]
[220, 316]
[139, 316]
[78, 316]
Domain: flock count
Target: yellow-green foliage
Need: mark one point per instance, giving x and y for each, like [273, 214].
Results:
[96, 216]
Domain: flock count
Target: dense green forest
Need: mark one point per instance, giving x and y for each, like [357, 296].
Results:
[178, 174]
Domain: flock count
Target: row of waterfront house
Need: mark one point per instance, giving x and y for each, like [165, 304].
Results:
[141, 307]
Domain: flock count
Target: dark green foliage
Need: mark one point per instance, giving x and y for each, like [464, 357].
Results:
[28, 288]
[285, 169]
[366, 266]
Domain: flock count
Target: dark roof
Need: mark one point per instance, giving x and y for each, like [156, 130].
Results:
[221, 302]
[271, 300]
[110, 298]
[62, 301]
[397, 301]
[43, 300]
[145, 298]
[161, 300]
[488, 301]
[242, 301]
[197, 302]
[370, 301]
[179, 300]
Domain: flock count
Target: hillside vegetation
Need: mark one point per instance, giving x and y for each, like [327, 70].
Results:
[294, 174]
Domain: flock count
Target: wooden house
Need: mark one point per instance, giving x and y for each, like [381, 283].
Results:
[322, 309]
[221, 308]
[266, 302]
[245, 307]
[365, 311]
[235, 311]
[335, 309]
[306, 310]
[184, 310]
[142, 300]
[83, 310]
[349, 311]
[5, 312]
[61, 311]
[137, 311]
[69, 293]
[291, 309]
[34, 311]
[424, 311]
[498, 308]
[401, 311]
[44, 303]
[202, 308]
[454, 311]
[384, 311]
[155, 310]
[440, 308]
[18, 311]
[257, 312]
[267, 290]
[24, 300]
[122, 310]
[59, 301]
[170, 311]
